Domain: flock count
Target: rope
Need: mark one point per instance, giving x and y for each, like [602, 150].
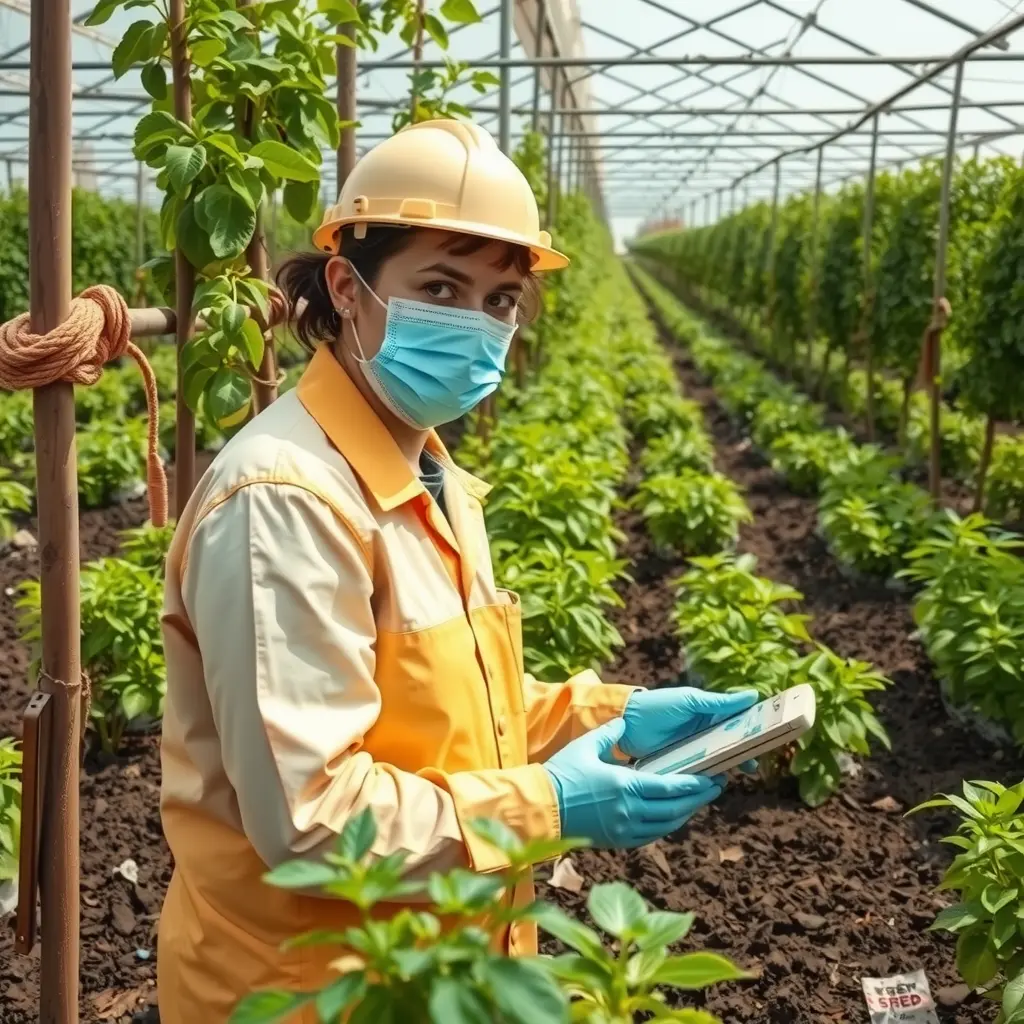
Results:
[96, 332]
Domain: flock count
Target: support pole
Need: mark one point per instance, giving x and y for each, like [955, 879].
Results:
[562, 138]
[10, 176]
[707, 208]
[867, 304]
[718, 206]
[140, 231]
[184, 275]
[812, 316]
[417, 57]
[57, 500]
[732, 200]
[552, 203]
[933, 343]
[538, 45]
[773, 232]
[346, 60]
[505, 78]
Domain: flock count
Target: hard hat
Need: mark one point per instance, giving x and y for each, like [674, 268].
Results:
[443, 174]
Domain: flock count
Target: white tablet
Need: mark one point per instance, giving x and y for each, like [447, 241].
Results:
[774, 722]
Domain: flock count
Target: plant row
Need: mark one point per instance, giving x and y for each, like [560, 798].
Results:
[814, 289]
[969, 596]
[739, 630]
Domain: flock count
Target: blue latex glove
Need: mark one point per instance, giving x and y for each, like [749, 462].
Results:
[656, 718]
[615, 806]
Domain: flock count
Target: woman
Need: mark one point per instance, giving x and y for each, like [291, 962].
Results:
[334, 636]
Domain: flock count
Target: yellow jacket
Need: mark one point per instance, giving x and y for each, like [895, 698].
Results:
[332, 644]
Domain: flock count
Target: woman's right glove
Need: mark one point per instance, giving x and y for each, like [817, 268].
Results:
[615, 806]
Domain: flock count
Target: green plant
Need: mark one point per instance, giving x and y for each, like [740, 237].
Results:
[147, 546]
[970, 614]
[680, 448]
[564, 594]
[805, 459]
[10, 809]
[406, 968]
[16, 430]
[773, 417]
[988, 876]
[14, 497]
[844, 720]
[693, 512]
[107, 399]
[111, 459]
[122, 646]
[1004, 495]
[870, 517]
[653, 412]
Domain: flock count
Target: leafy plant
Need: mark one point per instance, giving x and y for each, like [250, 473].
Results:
[10, 809]
[988, 875]
[692, 512]
[970, 614]
[406, 967]
[805, 459]
[774, 417]
[147, 546]
[111, 459]
[16, 430]
[870, 517]
[122, 645]
[14, 497]
[844, 720]
[1004, 496]
[679, 449]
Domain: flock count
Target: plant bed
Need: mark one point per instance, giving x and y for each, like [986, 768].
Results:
[817, 899]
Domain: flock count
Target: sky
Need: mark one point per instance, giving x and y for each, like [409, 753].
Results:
[686, 156]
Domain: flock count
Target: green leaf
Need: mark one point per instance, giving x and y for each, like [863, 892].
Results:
[340, 12]
[195, 379]
[524, 991]
[461, 11]
[358, 835]
[498, 834]
[133, 44]
[436, 30]
[284, 162]
[697, 970]
[184, 164]
[254, 343]
[573, 933]
[954, 919]
[340, 995]
[300, 199]
[616, 908]
[300, 874]
[452, 1001]
[154, 80]
[662, 928]
[205, 51]
[193, 239]
[268, 1007]
[1013, 995]
[232, 319]
[102, 11]
[975, 958]
[228, 397]
[230, 222]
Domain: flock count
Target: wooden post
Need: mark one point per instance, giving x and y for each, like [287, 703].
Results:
[185, 277]
[933, 343]
[417, 56]
[140, 231]
[812, 319]
[868, 301]
[347, 58]
[57, 499]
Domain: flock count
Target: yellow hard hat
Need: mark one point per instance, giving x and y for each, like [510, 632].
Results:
[443, 174]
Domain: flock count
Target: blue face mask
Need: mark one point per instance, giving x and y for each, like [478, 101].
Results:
[435, 362]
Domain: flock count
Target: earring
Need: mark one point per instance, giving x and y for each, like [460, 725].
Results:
[345, 313]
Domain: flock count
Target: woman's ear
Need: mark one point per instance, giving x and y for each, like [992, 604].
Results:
[341, 283]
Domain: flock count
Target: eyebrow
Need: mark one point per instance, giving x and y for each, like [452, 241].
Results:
[462, 278]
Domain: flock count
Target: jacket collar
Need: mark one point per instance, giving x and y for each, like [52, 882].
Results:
[328, 394]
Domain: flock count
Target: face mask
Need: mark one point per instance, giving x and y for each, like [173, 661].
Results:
[435, 363]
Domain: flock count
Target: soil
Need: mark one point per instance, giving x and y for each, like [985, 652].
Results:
[810, 901]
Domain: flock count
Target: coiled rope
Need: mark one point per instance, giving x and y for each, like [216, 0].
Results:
[96, 332]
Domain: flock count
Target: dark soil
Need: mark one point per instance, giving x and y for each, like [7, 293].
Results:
[820, 898]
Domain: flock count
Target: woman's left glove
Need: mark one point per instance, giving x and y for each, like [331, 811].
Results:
[656, 718]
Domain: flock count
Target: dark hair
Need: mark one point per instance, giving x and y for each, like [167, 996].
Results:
[304, 277]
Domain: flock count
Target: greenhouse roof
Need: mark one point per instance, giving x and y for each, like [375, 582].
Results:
[672, 129]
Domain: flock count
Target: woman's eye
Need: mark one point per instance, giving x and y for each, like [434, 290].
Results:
[502, 301]
[439, 290]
